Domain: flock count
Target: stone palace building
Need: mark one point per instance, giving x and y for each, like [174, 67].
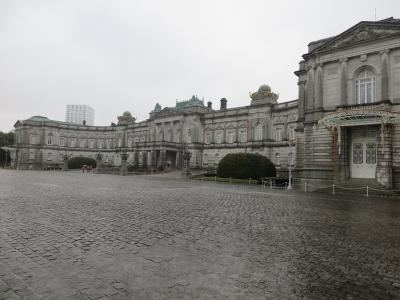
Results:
[344, 124]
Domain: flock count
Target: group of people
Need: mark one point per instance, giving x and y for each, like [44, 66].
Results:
[86, 168]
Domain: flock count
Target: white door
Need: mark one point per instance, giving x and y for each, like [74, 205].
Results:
[363, 158]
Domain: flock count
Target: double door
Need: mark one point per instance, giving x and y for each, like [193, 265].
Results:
[363, 158]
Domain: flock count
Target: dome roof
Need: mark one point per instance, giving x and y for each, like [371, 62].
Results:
[264, 88]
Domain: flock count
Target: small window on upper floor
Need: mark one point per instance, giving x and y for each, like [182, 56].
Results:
[365, 87]
[243, 136]
[258, 133]
[50, 139]
[230, 136]
[278, 134]
[292, 133]
[208, 138]
[218, 137]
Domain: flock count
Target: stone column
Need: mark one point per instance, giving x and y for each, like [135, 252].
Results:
[136, 159]
[302, 99]
[343, 82]
[385, 76]
[144, 159]
[384, 156]
[163, 158]
[153, 159]
[178, 163]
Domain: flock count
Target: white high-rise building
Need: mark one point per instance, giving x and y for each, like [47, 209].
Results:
[79, 114]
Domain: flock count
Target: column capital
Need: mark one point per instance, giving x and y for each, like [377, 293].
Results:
[384, 51]
[301, 82]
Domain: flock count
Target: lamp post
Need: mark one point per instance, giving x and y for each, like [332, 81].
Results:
[289, 187]
[5, 164]
[186, 159]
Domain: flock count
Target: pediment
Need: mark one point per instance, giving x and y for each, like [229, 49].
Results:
[360, 33]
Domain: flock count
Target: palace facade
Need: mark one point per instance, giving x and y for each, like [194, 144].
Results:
[263, 127]
[344, 125]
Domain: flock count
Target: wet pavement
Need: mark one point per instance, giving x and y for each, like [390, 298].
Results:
[67, 235]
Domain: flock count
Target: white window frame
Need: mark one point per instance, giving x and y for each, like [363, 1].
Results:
[278, 134]
[258, 133]
[208, 138]
[365, 86]
[230, 137]
[243, 136]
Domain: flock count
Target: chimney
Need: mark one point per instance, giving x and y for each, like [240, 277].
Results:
[209, 105]
[223, 104]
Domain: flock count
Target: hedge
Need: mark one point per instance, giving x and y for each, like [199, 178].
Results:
[77, 162]
[245, 165]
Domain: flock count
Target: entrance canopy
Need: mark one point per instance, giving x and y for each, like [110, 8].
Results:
[360, 115]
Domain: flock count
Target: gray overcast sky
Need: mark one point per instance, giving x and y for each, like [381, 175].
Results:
[128, 55]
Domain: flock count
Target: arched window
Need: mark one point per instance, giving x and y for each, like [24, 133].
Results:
[365, 87]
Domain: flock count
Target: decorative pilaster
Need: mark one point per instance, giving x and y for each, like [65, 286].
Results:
[343, 82]
[385, 75]
[310, 89]
[319, 93]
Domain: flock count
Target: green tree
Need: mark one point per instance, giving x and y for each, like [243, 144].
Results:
[6, 139]
[245, 165]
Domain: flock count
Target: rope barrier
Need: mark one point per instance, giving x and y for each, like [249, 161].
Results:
[334, 187]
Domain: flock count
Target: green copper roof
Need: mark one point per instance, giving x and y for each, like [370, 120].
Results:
[41, 119]
[38, 119]
[194, 101]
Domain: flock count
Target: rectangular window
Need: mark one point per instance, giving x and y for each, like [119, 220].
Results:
[243, 136]
[218, 138]
[100, 144]
[62, 142]
[258, 133]
[208, 138]
[230, 137]
[31, 155]
[292, 133]
[278, 134]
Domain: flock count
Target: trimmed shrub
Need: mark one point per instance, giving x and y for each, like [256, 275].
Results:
[77, 162]
[245, 165]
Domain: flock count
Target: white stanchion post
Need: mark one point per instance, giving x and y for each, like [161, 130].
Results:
[333, 188]
[270, 184]
[249, 180]
[305, 186]
[367, 191]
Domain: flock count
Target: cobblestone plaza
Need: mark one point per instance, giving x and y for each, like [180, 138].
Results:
[68, 235]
